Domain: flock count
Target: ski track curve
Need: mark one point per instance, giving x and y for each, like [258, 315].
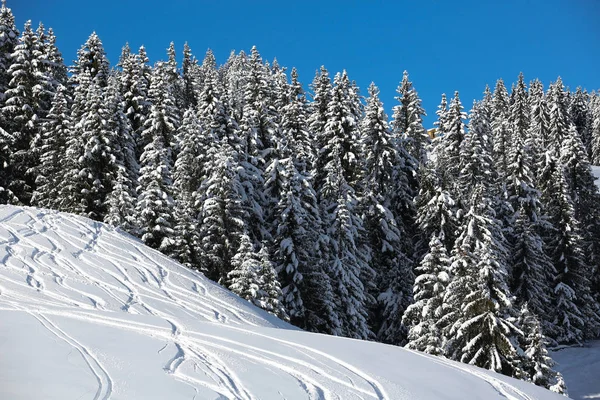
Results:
[38, 246]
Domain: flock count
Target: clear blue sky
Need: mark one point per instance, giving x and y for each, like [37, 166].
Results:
[444, 45]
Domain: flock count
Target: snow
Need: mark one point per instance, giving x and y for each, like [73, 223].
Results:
[596, 173]
[89, 312]
[580, 367]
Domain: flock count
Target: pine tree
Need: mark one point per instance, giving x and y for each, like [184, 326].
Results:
[519, 112]
[595, 130]
[134, 85]
[9, 39]
[579, 114]
[95, 148]
[537, 363]
[55, 132]
[539, 124]
[223, 215]
[408, 120]
[186, 182]
[189, 65]
[571, 288]
[558, 122]
[91, 57]
[430, 285]
[155, 207]
[500, 127]
[22, 102]
[480, 331]
[448, 152]
[436, 210]
[532, 270]
[384, 186]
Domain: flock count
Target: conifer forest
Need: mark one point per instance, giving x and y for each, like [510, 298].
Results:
[478, 241]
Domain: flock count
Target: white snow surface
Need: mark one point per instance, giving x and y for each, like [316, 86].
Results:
[580, 367]
[88, 312]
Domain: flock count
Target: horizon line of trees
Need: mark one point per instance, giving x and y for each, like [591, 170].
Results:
[482, 245]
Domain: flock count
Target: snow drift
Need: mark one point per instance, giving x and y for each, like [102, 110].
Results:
[88, 312]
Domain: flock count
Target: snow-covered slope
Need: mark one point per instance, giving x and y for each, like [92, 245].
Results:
[580, 367]
[87, 312]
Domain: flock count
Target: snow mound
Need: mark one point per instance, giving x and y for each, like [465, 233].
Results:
[89, 312]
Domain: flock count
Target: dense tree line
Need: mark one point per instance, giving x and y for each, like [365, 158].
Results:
[481, 245]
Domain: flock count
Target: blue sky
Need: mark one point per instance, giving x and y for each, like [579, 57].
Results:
[444, 45]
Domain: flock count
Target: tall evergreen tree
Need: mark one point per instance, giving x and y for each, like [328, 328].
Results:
[383, 188]
[55, 132]
[22, 103]
[430, 285]
[478, 325]
[9, 38]
[500, 127]
[408, 120]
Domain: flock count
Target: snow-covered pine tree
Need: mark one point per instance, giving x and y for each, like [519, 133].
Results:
[532, 269]
[558, 121]
[321, 88]
[91, 57]
[436, 210]
[186, 182]
[95, 146]
[134, 86]
[349, 253]
[55, 132]
[408, 120]
[500, 127]
[9, 38]
[430, 285]
[595, 130]
[174, 79]
[189, 66]
[571, 305]
[155, 206]
[223, 213]
[54, 62]
[269, 289]
[448, 150]
[477, 303]
[579, 114]
[385, 185]
[519, 112]
[22, 103]
[538, 134]
[537, 363]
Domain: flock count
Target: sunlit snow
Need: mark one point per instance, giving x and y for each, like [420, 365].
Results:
[91, 313]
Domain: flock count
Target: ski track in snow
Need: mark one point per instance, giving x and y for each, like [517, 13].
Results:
[77, 271]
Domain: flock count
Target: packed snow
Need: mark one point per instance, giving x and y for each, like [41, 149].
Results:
[89, 312]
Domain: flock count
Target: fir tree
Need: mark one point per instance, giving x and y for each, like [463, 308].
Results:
[91, 57]
[55, 132]
[480, 331]
[537, 363]
[22, 102]
[430, 285]
[408, 120]
[383, 188]
[500, 127]
[9, 38]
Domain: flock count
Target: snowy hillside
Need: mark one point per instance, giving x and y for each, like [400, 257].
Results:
[90, 313]
[580, 367]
